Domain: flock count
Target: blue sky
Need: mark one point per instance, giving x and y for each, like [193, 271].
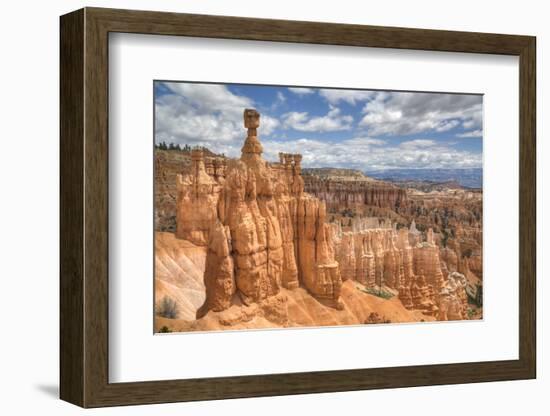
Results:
[361, 129]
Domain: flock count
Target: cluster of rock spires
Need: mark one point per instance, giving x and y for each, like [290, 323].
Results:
[398, 260]
[264, 233]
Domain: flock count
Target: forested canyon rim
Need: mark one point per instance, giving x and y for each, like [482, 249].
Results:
[246, 243]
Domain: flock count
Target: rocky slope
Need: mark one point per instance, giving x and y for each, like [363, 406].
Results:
[297, 308]
[179, 273]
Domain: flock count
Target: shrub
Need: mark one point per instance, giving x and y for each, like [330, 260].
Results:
[167, 308]
[374, 318]
[381, 293]
[165, 330]
[348, 212]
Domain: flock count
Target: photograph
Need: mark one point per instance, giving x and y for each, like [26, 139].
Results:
[292, 206]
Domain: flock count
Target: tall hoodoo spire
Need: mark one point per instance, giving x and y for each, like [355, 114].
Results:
[252, 145]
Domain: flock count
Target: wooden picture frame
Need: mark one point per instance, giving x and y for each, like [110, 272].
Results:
[84, 207]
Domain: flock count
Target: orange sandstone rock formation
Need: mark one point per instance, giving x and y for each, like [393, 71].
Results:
[452, 298]
[262, 231]
[197, 198]
[384, 257]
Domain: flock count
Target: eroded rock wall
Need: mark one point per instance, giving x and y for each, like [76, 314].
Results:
[350, 193]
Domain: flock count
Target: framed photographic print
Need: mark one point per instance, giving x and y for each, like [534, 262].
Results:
[335, 207]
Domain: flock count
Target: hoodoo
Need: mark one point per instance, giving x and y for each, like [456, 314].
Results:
[262, 231]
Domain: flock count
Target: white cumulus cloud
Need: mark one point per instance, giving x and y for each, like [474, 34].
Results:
[332, 121]
[301, 91]
[334, 96]
[405, 113]
[473, 133]
[366, 153]
[203, 114]
[418, 144]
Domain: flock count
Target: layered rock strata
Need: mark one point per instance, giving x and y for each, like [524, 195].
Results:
[359, 190]
[167, 167]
